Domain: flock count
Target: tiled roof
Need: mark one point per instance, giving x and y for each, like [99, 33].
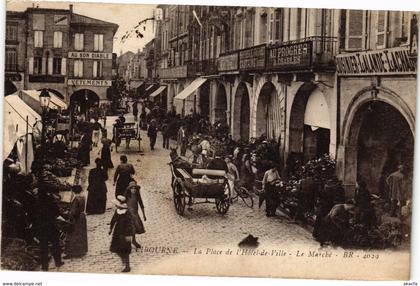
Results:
[80, 19]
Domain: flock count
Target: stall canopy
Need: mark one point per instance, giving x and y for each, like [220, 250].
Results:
[31, 98]
[157, 91]
[316, 112]
[136, 84]
[16, 111]
[190, 89]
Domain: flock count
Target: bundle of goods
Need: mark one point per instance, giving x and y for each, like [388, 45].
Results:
[61, 169]
[16, 255]
[50, 181]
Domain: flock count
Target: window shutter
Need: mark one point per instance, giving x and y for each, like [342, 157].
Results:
[44, 66]
[95, 42]
[31, 66]
[63, 66]
[81, 68]
[381, 29]
[355, 29]
[50, 65]
[95, 69]
[101, 42]
[82, 44]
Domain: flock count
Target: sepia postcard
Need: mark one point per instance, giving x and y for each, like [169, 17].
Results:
[208, 140]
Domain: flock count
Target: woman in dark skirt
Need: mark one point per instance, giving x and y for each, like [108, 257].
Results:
[134, 200]
[76, 239]
[122, 232]
[123, 176]
[96, 200]
[83, 153]
[106, 152]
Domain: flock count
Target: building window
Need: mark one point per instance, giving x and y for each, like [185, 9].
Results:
[355, 30]
[38, 39]
[37, 65]
[97, 69]
[405, 27]
[78, 41]
[78, 68]
[381, 29]
[98, 44]
[11, 31]
[58, 40]
[57, 66]
[11, 60]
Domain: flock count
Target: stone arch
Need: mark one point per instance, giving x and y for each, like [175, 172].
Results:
[241, 112]
[378, 135]
[266, 110]
[221, 104]
[83, 99]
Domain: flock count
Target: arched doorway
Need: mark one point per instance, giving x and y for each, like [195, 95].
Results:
[221, 104]
[82, 100]
[9, 87]
[382, 139]
[204, 100]
[241, 114]
[268, 115]
[309, 125]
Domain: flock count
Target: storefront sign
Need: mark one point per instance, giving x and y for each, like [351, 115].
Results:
[295, 56]
[227, 62]
[252, 58]
[89, 82]
[381, 62]
[414, 35]
[90, 55]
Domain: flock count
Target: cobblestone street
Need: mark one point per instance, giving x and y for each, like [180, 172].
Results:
[201, 227]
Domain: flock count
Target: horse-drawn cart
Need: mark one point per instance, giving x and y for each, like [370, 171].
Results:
[198, 186]
[128, 132]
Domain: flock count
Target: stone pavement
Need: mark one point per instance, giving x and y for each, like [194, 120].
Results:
[166, 231]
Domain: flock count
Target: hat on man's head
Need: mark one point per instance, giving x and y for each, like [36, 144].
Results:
[133, 184]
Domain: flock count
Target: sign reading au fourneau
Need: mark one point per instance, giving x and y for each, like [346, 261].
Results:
[90, 55]
[89, 82]
[380, 62]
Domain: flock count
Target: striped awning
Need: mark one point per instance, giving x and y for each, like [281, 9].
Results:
[158, 91]
[191, 88]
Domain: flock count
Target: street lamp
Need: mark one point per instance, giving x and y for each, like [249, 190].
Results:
[44, 100]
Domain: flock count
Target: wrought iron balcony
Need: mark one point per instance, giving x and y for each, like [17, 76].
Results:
[173, 72]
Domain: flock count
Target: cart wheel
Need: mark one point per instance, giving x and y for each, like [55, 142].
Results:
[222, 205]
[179, 198]
[246, 197]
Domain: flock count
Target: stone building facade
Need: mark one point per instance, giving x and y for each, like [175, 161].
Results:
[68, 53]
[294, 75]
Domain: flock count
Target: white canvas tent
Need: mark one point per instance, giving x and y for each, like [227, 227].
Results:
[31, 98]
[16, 112]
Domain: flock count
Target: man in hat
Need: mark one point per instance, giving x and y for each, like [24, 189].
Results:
[122, 232]
[397, 192]
[182, 139]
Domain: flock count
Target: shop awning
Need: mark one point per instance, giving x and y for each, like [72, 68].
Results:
[16, 111]
[135, 84]
[158, 91]
[191, 88]
[31, 98]
[316, 113]
[150, 87]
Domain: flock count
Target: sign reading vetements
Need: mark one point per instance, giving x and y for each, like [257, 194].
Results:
[90, 55]
[388, 61]
[89, 82]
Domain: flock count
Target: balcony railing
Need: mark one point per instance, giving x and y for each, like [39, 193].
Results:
[174, 72]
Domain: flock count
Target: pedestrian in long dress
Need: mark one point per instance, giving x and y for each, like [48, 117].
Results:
[122, 232]
[123, 176]
[106, 153]
[76, 239]
[134, 200]
[96, 132]
[96, 200]
[83, 154]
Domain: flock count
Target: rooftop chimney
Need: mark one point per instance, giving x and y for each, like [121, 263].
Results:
[71, 8]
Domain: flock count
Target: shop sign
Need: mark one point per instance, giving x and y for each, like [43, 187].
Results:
[89, 82]
[90, 55]
[252, 58]
[296, 56]
[380, 62]
[414, 35]
[228, 62]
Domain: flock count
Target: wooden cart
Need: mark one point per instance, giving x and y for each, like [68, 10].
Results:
[128, 132]
[188, 188]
